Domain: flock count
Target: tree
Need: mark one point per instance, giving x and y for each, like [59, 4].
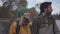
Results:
[10, 8]
[33, 12]
[23, 3]
[4, 10]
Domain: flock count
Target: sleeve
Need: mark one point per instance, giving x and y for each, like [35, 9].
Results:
[35, 26]
[55, 28]
[12, 28]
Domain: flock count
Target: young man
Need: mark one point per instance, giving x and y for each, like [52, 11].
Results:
[45, 23]
[23, 26]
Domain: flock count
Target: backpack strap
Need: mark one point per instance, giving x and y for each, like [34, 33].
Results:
[54, 28]
[54, 23]
[17, 28]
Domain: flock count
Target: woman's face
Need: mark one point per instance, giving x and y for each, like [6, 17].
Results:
[27, 14]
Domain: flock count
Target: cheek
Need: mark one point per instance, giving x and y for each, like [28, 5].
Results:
[50, 9]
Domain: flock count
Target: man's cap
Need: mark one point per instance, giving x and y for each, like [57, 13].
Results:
[45, 5]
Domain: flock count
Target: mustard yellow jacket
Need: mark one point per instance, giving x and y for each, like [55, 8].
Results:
[23, 29]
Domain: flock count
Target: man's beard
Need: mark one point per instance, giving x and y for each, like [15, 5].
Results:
[49, 13]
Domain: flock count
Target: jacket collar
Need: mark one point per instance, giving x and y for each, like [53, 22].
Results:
[44, 14]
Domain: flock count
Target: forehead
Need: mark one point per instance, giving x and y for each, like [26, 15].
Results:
[49, 6]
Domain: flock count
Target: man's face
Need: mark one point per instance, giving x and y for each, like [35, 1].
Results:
[49, 9]
[27, 14]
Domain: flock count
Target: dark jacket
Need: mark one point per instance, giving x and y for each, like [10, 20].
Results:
[44, 24]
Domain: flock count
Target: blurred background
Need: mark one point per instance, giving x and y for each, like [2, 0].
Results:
[9, 9]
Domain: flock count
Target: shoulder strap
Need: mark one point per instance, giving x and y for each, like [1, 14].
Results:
[54, 23]
[17, 28]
